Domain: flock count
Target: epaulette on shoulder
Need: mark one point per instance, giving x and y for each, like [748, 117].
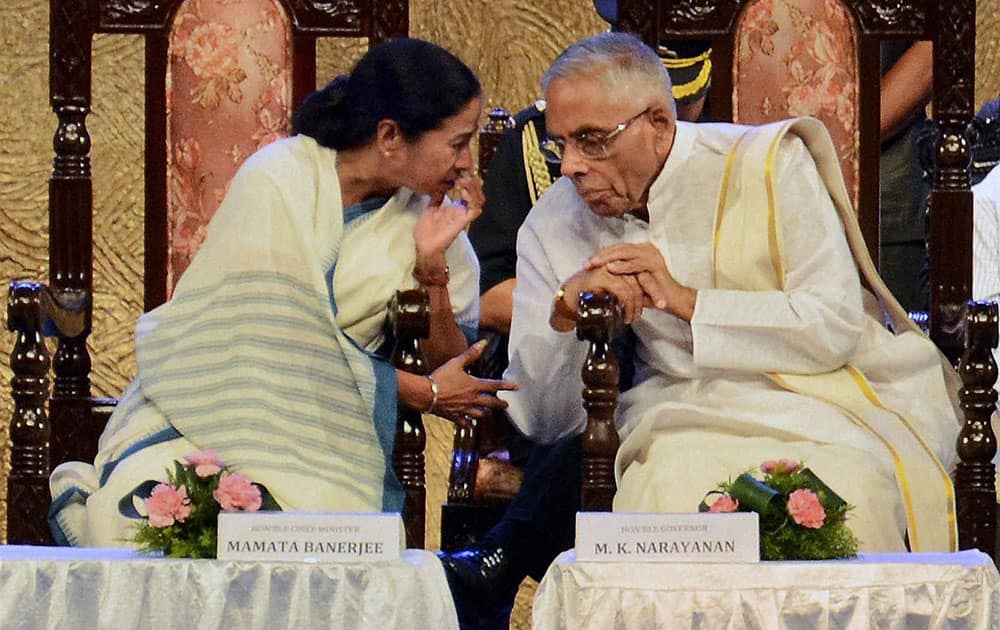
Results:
[533, 112]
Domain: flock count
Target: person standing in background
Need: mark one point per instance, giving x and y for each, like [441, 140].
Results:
[906, 89]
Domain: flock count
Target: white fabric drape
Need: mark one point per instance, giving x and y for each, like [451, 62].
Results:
[899, 591]
[49, 588]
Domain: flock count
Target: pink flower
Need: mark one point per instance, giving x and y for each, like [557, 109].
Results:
[206, 463]
[724, 503]
[167, 505]
[805, 508]
[779, 466]
[235, 492]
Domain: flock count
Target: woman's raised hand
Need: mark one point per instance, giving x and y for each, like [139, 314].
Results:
[460, 394]
[442, 220]
[472, 194]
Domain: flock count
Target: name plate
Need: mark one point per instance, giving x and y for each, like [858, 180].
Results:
[696, 537]
[310, 536]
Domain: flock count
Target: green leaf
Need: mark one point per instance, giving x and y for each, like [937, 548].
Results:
[268, 504]
[180, 474]
[757, 496]
[830, 499]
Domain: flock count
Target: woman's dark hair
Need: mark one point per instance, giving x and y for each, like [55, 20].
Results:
[412, 82]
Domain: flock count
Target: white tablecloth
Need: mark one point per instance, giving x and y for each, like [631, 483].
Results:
[60, 587]
[885, 591]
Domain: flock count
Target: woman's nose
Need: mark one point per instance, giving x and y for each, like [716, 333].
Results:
[464, 161]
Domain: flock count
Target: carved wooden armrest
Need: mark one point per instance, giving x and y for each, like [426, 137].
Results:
[34, 312]
[28, 305]
[33, 306]
[464, 461]
[598, 319]
[469, 440]
[410, 316]
[975, 474]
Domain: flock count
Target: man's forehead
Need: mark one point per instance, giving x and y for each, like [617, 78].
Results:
[574, 105]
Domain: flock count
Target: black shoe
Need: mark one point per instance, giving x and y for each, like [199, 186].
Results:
[484, 583]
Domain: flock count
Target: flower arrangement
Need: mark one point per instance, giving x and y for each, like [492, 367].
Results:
[182, 510]
[801, 518]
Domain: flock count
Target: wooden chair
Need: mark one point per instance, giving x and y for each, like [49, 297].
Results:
[47, 430]
[965, 331]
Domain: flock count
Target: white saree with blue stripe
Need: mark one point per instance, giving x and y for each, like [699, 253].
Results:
[267, 351]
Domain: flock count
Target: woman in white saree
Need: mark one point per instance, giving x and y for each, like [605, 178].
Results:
[270, 351]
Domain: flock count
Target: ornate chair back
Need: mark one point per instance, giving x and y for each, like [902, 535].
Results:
[963, 330]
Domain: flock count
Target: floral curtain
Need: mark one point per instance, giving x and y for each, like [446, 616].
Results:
[228, 94]
[800, 58]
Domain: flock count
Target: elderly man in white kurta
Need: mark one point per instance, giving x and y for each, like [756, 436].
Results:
[736, 258]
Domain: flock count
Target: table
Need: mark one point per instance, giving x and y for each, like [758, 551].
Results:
[892, 591]
[63, 587]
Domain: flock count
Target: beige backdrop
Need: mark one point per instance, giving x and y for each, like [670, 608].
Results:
[507, 42]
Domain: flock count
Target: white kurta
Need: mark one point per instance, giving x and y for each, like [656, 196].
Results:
[986, 238]
[702, 409]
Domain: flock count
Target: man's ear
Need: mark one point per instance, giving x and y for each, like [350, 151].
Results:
[663, 121]
[662, 117]
[388, 137]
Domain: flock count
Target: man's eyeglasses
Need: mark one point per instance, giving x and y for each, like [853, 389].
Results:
[593, 145]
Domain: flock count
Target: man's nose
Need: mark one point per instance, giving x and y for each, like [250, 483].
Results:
[572, 162]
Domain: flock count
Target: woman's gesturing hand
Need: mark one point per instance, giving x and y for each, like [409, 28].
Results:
[460, 394]
[441, 221]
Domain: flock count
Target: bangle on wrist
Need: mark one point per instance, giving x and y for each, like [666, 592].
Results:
[436, 278]
[434, 394]
[562, 307]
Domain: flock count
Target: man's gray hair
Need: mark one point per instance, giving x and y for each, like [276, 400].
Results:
[615, 58]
